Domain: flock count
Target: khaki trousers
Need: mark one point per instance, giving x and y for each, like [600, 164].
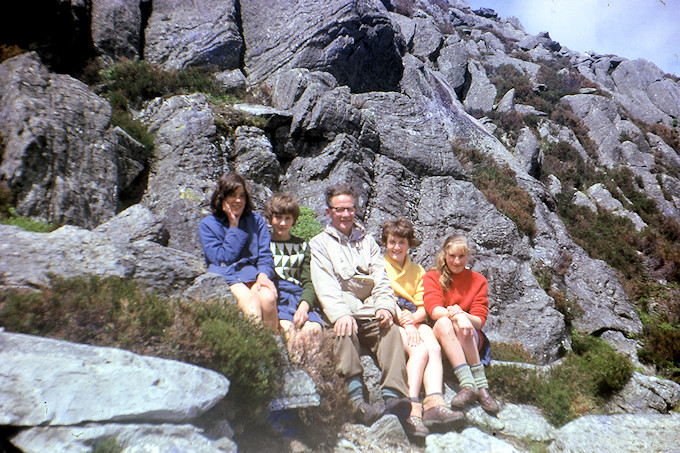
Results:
[386, 347]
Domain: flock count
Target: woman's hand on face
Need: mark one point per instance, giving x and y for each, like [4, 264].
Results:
[412, 335]
[233, 220]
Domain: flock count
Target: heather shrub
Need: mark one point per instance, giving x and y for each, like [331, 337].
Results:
[499, 186]
[577, 386]
[563, 161]
[510, 352]
[121, 313]
[8, 51]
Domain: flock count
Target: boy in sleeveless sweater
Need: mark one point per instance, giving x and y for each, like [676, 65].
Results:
[297, 303]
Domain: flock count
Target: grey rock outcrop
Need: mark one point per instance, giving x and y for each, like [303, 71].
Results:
[129, 437]
[470, 439]
[30, 258]
[183, 33]
[136, 223]
[645, 395]
[117, 28]
[62, 158]
[51, 382]
[619, 433]
[354, 41]
[187, 163]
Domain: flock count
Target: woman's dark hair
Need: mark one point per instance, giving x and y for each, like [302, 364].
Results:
[226, 185]
[401, 228]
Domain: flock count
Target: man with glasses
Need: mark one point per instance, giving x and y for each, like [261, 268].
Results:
[349, 277]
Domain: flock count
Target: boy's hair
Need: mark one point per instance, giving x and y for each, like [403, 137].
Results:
[401, 228]
[282, 203]
[226, 185]
[340, 189]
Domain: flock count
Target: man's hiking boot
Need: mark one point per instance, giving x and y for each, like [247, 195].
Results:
[414, 427]
[441, 416]
[488, 402]
[367, 414]
[401, 407]
[464, 397]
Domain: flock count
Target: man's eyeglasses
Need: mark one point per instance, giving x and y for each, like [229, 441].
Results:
[341, 209]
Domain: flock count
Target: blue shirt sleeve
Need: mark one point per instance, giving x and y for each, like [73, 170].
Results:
[265, 258]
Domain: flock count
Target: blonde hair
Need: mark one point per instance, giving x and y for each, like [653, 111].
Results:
[454, 244]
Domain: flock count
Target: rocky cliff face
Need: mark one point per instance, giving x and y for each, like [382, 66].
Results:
[385, 97]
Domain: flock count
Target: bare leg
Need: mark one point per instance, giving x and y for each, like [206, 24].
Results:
[469, 345]
[266, 300]
[246, 300]
[415, 366]
[433, 376]
[443, 331]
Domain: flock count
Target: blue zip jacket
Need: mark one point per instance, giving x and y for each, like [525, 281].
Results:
[237, 254]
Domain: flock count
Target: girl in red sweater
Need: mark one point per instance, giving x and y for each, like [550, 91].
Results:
[455, 298]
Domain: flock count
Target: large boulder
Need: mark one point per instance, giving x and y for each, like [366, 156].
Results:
[126, 436]
[29, 259]
[183, 33]
[62, 158]
[354, 41]
[51, 382]
[616, 433]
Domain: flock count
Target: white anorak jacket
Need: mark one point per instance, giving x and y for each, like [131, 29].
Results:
[349, 274]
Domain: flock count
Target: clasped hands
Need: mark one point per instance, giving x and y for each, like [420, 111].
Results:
[347, 325]
[459, 318]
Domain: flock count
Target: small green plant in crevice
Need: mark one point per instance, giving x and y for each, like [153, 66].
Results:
[26, 223]
[579, 385]
[107, 445]
[123, 313]
[306, 226]
[499, 186]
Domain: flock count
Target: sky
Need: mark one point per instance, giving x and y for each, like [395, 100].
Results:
[648, 29]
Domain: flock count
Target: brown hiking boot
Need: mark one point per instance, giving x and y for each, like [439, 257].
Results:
[367, 414]
[414, 427]
[441, 416]
[464, 397]
[487, 401]
[437, 413]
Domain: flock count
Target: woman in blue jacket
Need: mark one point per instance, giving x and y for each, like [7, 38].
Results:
[236, 246]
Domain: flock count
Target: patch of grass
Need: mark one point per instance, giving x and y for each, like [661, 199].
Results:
[121, 313]
[499, 186]
[25, 223]
[306, 226]
[577, 386]
[510, 352]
